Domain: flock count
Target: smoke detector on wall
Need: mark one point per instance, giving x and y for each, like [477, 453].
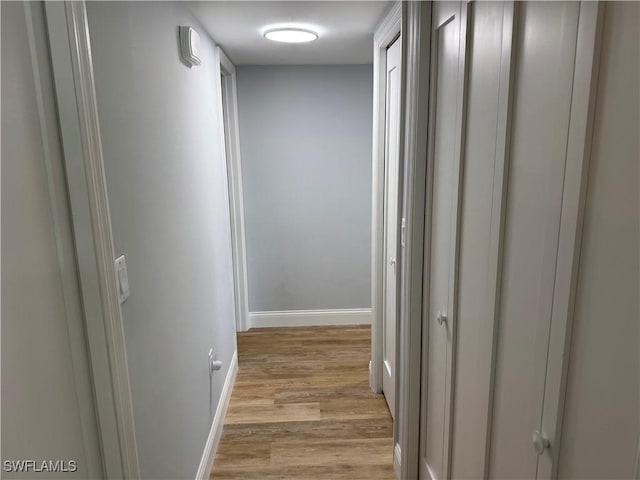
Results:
[189, 45]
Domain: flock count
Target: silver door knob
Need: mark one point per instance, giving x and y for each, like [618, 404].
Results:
[392, 261]
[540, 442]
[441, 318]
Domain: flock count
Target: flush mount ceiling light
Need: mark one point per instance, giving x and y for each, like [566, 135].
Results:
[291, 35]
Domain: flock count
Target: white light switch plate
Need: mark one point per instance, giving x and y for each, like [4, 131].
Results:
[122, 278]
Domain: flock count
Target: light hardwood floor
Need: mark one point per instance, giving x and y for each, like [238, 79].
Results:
[301, 408]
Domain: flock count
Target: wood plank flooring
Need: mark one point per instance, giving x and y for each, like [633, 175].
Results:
[301, 408]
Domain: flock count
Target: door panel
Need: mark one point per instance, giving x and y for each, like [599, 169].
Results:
[445, 58]
[392, 130]
[545, 41]
[474, 325]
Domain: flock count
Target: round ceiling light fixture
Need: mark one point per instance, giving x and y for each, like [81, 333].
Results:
[291, 35]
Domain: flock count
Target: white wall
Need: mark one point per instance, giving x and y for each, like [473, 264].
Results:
[305, 134]
[166, 180]
[47, 403]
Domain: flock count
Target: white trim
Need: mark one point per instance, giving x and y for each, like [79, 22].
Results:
[215, 434]
[227, 68]
[80, 133]
[310, 318]
[583, 105]
[229, 114]
[63, 231]
[385, 34]
[417, 38]
[499, 202]
[454, 260]
[229, 224]
[397, 460]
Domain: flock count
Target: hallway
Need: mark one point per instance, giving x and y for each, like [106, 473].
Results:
[302, 407]
[226, 224]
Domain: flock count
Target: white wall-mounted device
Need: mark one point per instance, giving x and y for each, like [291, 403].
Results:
[122, 278]
[189, 45]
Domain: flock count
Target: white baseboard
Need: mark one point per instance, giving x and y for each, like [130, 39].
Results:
[211, 447]
[396, 460]
[310, 318]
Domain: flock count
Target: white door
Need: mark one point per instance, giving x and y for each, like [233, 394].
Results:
[436, 364]
[545, 48]
[392, 125]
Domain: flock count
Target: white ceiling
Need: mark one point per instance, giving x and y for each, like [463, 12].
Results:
[345, 30]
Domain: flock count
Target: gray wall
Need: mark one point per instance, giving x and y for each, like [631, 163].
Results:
[305, 134]
[47, 403]
[166, 179]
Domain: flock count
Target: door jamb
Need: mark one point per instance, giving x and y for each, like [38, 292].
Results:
[229, 112]
[416, 72]
[385, 34]
[72, 66]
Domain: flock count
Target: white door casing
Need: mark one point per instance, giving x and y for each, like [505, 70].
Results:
[386, 32]
[228, 109]
[72, 66]
[415, 73]
[392, 131]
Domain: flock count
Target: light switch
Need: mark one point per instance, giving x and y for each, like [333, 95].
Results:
[403, 233]
[122, 278]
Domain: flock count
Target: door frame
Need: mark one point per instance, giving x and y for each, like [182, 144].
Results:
[72, 66]
[386, 33]
[414, 23]
[415, 208]
[229, 113]
[38, 46]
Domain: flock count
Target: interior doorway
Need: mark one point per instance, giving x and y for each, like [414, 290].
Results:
[391, 224]
[231, 141]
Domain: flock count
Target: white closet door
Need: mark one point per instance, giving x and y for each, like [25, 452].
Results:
[545, 44]
[446, 50]
[392, 161]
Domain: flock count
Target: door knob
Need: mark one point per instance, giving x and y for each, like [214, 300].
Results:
[540, 442]
[392, 261]
[441, 318]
